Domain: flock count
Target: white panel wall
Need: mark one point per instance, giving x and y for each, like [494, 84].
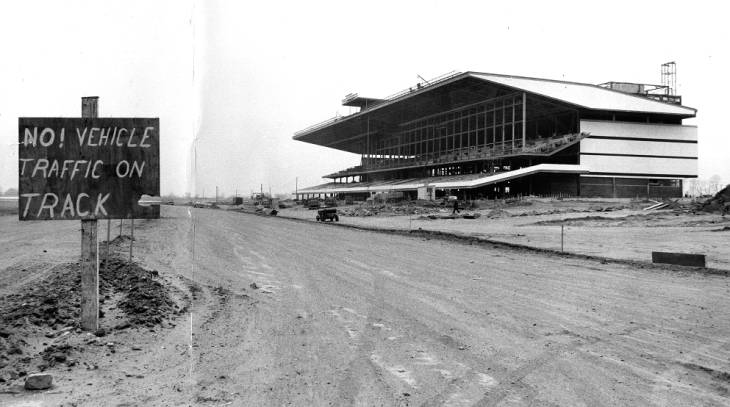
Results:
[621, 150]
[640, 130]
[641, 166]
[604, 146]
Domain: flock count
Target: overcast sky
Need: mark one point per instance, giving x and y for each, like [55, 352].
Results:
[231, 81]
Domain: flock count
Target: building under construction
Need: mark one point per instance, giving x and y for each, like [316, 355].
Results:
[487, 135]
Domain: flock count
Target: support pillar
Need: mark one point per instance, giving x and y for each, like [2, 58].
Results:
[524, 120]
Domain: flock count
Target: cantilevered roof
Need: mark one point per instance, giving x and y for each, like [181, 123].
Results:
[341, 130]
[586, 95]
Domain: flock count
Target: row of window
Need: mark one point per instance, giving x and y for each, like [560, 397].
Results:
[484, 125]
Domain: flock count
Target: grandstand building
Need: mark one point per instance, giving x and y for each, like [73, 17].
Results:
[487, 135]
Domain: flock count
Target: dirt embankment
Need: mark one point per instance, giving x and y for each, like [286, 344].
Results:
[39, 328]
[720, 202]
[517, 207]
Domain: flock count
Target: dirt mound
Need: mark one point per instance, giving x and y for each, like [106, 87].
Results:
[498, 213]
[717, 203]
[146, 300]
[37, 320]
[356, 212]
[54, 302]
[51, 302]
[388, 210]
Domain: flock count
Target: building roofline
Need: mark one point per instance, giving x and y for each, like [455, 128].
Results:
[387, 102]
[474, 74]
[581, 84]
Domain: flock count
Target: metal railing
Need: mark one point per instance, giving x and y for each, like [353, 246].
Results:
[429, 83]
[319, 125]
[432, 82]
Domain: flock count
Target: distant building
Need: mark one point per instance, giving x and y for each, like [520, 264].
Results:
[487, 135]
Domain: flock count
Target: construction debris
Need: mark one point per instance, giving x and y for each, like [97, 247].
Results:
[718, 203]
[666, 204]
[392, 210]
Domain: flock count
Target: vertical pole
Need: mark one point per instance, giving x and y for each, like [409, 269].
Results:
[89, 276]
[512, 101]
[121, 222]
[504, 115]
[131, 243]
[524, 120]
[562, 237]
[89, 249]
[108, 236]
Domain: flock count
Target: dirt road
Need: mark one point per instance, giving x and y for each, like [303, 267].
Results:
[620, 234]
[347, 317]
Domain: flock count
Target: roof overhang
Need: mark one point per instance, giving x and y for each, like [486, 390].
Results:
[586, 95]
[349, 133]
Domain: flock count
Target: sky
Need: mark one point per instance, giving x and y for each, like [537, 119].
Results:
[232, 81]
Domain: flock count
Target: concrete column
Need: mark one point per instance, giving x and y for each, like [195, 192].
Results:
[524, 119]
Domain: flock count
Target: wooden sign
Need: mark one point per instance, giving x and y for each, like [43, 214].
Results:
[88, 168]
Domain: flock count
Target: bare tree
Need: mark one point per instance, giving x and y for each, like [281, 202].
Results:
[715, 184]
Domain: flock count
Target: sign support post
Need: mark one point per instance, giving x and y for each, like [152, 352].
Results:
[89, 249]
[108, 236]
[131, 242]
[88, 168]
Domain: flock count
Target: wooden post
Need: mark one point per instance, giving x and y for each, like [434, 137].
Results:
[131, 242]
[89, 276]
[562, 239]
[121, 222]
[108, 236]
[89, 250]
